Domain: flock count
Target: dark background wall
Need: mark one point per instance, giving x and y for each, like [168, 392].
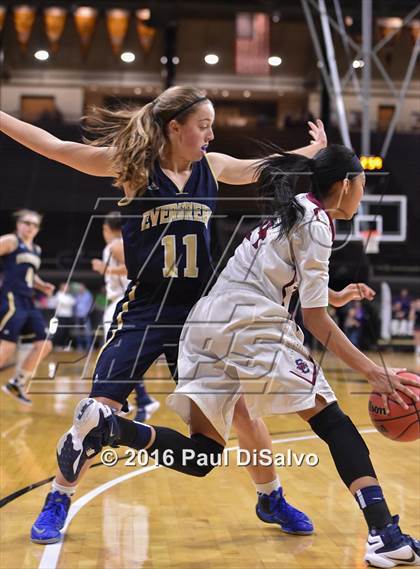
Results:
[68, 199]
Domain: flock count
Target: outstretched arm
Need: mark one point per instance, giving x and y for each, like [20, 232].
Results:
[82, 157]
[311, 251]
[239, 172]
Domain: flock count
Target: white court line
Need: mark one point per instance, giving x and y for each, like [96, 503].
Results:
[52, 552]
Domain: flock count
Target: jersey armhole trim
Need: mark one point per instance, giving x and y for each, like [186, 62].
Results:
[124, 201]
[212, 171]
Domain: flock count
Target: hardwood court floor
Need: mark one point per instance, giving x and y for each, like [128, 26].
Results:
[156, 518]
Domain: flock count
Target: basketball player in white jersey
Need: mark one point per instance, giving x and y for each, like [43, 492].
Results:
[242, 352]
[113, 268]
[240, 347]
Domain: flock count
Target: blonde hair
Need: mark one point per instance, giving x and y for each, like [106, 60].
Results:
[22, 212]
[139, 135]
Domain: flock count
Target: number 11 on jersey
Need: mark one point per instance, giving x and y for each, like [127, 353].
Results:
[169, 244]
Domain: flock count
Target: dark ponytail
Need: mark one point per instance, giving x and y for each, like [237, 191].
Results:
[277, 178]
[279, 173]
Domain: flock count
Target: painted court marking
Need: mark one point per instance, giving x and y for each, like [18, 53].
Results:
[52, 552]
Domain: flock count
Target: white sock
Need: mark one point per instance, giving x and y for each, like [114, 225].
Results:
[268, 487]
[68, 490]
[21, 378]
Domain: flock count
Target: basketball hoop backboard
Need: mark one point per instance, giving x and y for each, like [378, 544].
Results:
[385, 214]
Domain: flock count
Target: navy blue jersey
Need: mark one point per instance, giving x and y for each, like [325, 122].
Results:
[19, 268]
[166, 235]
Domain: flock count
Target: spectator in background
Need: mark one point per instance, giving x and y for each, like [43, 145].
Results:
[82, 309]
[353, 323]
[400, 324]
[63, 303]
[415, 324]
[100, 300]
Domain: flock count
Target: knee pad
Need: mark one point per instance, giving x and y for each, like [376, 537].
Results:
[347, 447]
[210, 452]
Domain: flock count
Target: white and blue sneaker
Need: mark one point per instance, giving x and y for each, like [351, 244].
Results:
[274, 509]
[94, 427]
[390, 547]
[51, 520]
[145, 409]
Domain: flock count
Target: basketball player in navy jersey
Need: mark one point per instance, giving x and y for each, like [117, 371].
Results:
[158, 156]
[18, 315]
[112, 267]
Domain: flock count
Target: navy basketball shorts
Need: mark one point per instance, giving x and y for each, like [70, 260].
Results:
[139, 334]
[19, 317]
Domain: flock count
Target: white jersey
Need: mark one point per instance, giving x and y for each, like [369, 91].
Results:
[241, 340]
[275, 268]
[115, 285]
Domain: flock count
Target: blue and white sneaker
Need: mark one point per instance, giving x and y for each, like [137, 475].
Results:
[94, 427]
[390, 547]
[146, 409]
[51, 520]
[274, 509]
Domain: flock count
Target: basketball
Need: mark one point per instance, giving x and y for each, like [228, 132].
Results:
[401, 425]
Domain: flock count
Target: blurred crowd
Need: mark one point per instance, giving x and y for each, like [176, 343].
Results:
[78, 312]
[403, 314]
[356, 320]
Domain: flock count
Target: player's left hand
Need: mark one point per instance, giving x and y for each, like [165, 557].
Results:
[48, 289]
[354, 291]
[317, 132]
[98, 266]
[389, 383]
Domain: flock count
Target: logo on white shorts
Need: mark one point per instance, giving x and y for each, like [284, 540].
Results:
[302, 365]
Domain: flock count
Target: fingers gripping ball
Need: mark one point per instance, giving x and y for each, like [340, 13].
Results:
[401, 425]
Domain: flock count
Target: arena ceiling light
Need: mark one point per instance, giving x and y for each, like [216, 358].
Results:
[144, 14]
[358, 63]
[42, 55]
[128, 57]
[211, 58]
[274, 61]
